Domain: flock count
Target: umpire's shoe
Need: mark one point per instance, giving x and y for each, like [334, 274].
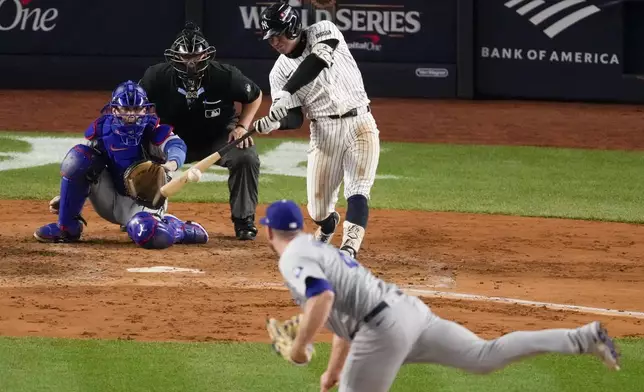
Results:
[57, 234]
[245, 229]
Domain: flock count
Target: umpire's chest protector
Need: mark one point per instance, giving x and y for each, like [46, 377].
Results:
[212, 111]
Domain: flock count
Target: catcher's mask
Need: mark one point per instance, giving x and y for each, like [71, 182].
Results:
[190, 55]
[131, 110]
[278, 19]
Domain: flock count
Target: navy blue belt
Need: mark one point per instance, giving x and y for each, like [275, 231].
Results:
[374, 312]
[351, 113]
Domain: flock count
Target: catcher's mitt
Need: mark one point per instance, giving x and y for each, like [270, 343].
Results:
[143, 181]
[283, 335]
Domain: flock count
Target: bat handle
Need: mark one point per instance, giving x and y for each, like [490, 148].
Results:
[225, 149]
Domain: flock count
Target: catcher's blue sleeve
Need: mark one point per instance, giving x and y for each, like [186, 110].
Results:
[172, 145]
[175, 149]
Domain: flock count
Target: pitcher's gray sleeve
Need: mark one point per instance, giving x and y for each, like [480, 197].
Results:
[305, 276]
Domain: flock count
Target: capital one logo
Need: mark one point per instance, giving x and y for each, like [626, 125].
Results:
[23, 17]
[555, 17]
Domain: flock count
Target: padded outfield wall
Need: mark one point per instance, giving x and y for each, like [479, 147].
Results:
[582, 50]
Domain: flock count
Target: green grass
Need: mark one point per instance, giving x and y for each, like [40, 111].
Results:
[8, 144]
[54, 365]
[549, 182]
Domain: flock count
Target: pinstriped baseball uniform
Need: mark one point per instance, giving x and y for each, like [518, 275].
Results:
[388, 328]
[340, 149]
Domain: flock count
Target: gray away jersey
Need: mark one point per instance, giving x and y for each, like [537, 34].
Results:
[336, 90]
[356, 290]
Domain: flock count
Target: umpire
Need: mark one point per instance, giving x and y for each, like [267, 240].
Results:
[197, 96]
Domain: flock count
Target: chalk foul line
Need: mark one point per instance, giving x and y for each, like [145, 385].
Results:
[514, 301]
[484, 298]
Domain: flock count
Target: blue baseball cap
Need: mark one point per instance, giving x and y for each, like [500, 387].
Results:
[283, 215]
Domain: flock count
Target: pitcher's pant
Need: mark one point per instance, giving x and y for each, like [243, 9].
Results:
[408, 332]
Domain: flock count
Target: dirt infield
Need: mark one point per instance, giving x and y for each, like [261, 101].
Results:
[85, 290]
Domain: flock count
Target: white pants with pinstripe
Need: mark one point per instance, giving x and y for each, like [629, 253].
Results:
[342, 149]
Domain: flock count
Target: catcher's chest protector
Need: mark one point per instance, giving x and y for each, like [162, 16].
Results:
[152, 151]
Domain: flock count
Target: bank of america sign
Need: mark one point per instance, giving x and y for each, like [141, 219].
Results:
[553, 18]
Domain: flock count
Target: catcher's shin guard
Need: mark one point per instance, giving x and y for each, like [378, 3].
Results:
[149, 231]
[80, 167]
[186, 232]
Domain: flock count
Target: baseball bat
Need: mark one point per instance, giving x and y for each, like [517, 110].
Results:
[175, 185]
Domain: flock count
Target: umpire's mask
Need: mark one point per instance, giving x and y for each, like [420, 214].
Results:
[190, 55]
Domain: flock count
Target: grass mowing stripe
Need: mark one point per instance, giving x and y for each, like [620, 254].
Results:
[57, 365]
[528, 181]
[8, 144]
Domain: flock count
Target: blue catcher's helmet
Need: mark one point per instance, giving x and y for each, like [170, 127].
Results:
[131, 110]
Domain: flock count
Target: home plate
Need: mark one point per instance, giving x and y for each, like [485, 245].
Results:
[162, 269]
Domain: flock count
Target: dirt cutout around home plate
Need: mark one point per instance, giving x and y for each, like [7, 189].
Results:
[228, 287]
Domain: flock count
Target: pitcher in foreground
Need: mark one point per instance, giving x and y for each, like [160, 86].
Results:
[377, 328]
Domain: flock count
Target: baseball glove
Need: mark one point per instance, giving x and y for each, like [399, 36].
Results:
[283, 335]
[143, 181]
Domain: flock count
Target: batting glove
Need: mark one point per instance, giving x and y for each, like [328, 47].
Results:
[265, 125]
[279, 108]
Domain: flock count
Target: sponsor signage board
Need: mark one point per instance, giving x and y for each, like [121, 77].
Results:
[560, 49]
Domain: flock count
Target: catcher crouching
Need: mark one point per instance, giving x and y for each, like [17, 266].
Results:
[121, 169]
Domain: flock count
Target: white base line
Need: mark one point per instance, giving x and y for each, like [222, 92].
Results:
[483, 298]
[513, 301]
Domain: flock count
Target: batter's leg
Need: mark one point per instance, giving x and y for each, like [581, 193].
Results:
[447, 343]
[360, 165]
[324, 175]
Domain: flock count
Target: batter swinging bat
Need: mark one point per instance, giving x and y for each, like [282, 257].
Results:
[177, 183]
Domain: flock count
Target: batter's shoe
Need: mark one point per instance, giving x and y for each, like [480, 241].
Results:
[324, 237]
[245, 229]
[604, 348]
[54, 233]
[349, 251]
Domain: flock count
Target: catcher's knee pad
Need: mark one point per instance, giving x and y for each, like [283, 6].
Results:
[149, 231]
[186, 232]
[82, 163]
